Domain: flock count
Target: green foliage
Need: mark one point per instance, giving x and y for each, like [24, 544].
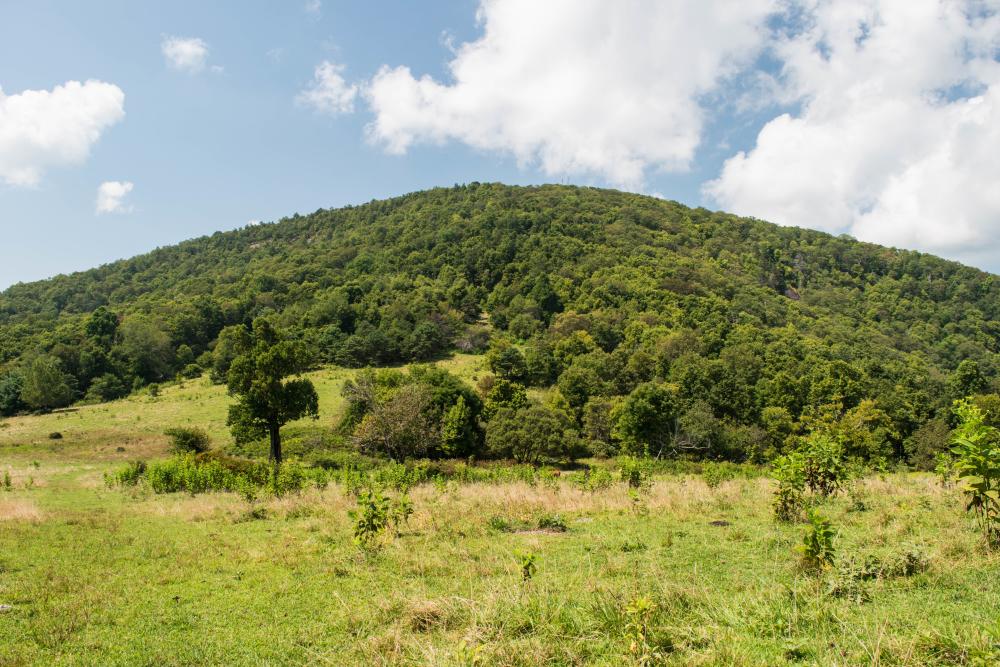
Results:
[44, 385]
[715, 473]
[817, 548]
[635, 472]
[265, 400]
[976, 447]
[552, 522]
[756, 329]
[128, 475]
[644, 422]
[789, 496]
[639, 613]
[371, 518]
[504, 394]
[11, 384]
[823, 466]
[185, 439]
[529, 567]
[534, 434]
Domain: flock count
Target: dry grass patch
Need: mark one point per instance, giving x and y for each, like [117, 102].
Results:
[20, 510]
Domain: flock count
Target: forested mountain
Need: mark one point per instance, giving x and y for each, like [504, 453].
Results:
[757, 329]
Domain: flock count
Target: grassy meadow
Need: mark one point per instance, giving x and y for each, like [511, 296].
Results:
[690, 570]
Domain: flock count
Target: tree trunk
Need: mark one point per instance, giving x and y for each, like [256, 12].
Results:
[275, 444]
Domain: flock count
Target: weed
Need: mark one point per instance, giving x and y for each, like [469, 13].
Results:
[370, 518]
[977, 464]
[817, 548]
[639, 614]
[528, 566]
[8, 484]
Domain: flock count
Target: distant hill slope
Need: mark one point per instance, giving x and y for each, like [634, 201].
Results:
[408, 278]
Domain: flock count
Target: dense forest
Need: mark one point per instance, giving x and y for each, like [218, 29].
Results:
[651, 326]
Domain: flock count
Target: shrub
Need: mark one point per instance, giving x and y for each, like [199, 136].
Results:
[635, 472]
[552, 522]
[715, 474]
[823, 464]
[817, 549]
[129, 475]
[977, 464]
[55, 435]
[185, 439]
[370, 518]
[789, 496]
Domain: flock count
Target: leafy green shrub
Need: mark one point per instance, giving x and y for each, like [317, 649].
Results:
[714, 473]
[370, 518]
[635, 472]
[823, 464]
[977, 463]
[817, 548]
[639, 614]
[129, 475]
[789, 496]
[184, 439]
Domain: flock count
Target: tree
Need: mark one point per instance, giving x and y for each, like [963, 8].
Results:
[147, 348]
[400, 427]
[503, 394]
[45, 386]
[967, 380]
[265, 400]
[644, 422]
[533, 434]
[10, 393]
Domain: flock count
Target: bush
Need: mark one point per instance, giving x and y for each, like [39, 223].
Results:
[817, 544]
[130, 475]
[977, 464]
[184, 439]
[789, 496]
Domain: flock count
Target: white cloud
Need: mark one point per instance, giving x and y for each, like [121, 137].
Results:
[41, 128]
[111, 197]
[898, 133]
[187, 54]
[577, 86]
[329, 92]
[313, 7]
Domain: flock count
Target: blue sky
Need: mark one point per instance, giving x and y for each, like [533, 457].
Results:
[737, 109]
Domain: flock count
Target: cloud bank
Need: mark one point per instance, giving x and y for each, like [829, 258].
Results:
[40, 129]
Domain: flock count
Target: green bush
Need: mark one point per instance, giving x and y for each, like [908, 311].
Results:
[185, 439]
[129, 475]
[817, 548]
[977, 464]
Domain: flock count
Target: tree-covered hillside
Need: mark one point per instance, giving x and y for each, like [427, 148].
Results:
[755, 331]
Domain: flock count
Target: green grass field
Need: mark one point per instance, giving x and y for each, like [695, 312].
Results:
[98, 576]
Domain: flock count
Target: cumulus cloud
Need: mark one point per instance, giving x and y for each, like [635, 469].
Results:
[329, 92]
[898, 130]
[53, 128]
[577, 86]
[187, 54]
[111, 197]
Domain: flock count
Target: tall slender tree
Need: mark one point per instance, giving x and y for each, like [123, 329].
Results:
[265, 400]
